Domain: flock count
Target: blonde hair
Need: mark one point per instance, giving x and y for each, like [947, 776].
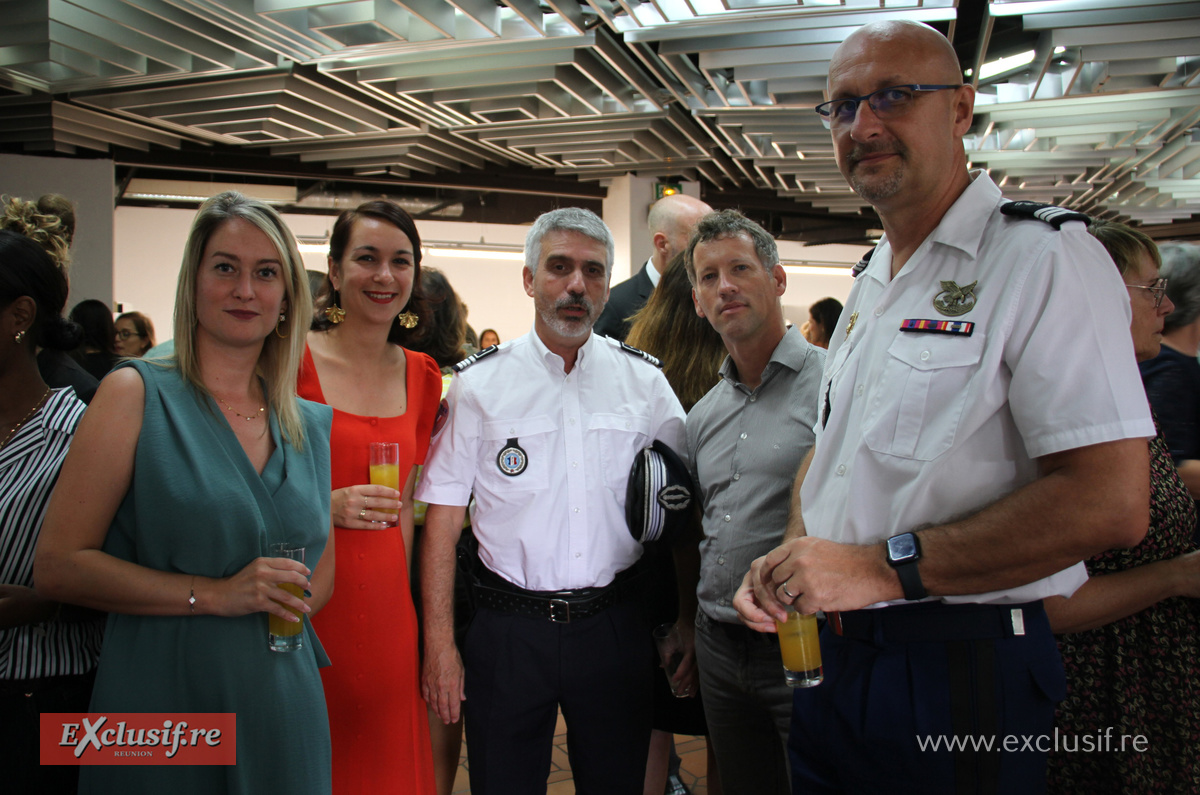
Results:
[281, 355]
[45, 229]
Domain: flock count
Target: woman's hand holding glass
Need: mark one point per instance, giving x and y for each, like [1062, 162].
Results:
[366, 507]
[255, 589]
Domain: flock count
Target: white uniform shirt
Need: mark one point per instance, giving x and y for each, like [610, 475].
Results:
[924, 428]
[560, 523]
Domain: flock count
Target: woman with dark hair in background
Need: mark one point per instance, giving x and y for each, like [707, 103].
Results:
[444, 334]
[52, 233]
[185, 472]
[356, 362]
[822, 319]
[134, 334]
[47, 654]
[691, 352]
[1128, 636]
[96, 353]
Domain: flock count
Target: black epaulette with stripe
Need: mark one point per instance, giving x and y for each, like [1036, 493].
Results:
[635, 352]
[474, 357]
[1055, 216]
[861, 265]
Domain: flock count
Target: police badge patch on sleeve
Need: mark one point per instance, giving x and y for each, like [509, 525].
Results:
[439, 419]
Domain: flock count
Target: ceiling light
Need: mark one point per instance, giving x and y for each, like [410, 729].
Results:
[810, 269]
[1001, 65]
[198, 191]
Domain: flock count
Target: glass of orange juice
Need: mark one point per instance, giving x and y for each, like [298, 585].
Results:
[283, 635]
[801, 649]
[385, 467]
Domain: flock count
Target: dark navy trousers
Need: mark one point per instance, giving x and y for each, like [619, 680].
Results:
[905, 682]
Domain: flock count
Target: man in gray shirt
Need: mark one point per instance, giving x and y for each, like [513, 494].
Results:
[746, 439]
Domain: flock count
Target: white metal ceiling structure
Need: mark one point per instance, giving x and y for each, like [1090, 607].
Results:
[1098, 108]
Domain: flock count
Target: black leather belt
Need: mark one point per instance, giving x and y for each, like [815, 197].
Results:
[937, 621]
[561, 607]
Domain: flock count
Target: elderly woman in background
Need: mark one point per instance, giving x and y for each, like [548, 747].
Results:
[380, 392]
[96, 353]
[691, 352]
[134, 334]
[1128, 636]
[47, 655]
[184, 474]
[1172, 378]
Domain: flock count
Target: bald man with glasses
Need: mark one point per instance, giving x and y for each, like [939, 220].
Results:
[981, 431]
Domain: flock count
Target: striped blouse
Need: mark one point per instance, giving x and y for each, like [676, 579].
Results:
[29, 466]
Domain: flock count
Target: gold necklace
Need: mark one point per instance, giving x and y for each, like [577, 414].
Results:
[41, 402]
[261, 409]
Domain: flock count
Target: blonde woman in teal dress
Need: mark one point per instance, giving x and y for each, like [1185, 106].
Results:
[183, 473]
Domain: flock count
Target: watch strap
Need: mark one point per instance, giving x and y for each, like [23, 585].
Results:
[910, 580]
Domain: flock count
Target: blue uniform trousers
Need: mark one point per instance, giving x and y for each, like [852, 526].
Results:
[905, 682]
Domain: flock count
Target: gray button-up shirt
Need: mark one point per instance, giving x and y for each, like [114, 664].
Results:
[744, 448]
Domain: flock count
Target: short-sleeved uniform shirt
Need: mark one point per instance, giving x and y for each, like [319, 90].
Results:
[926, 427]
[547, 455]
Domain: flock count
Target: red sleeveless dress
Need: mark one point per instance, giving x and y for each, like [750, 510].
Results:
[377, 719]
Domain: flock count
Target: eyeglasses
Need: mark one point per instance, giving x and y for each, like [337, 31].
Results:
[886, 103]
[126, 334]
[1157, 290]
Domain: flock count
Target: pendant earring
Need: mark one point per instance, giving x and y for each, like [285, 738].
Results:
[334, 313]
[19, 336]
[282, 319]
[408, 319]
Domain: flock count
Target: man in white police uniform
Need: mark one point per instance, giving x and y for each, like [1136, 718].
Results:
[543, 431]
[982, 431]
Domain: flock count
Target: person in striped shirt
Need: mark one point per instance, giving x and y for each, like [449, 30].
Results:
[48, 651]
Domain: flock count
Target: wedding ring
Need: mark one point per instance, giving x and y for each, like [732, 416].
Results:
[786, 592]
[362, 515]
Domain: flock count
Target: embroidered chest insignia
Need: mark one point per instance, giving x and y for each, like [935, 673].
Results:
[512, 460]
[953, 300]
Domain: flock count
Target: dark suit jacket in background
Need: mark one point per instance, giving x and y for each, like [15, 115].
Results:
[623, 300]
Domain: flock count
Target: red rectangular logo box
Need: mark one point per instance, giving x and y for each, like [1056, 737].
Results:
[139, 738]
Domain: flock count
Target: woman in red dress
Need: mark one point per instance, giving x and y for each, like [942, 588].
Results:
[379, 392]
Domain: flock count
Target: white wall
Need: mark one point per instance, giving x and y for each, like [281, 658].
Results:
[149, 247]
[149, 244]
[87, 183]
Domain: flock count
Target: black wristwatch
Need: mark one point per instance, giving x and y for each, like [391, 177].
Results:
[903, 552]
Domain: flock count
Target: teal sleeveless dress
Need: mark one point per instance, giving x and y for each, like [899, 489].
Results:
[197, 506]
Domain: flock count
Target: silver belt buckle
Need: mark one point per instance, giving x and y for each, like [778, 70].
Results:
[560, 611]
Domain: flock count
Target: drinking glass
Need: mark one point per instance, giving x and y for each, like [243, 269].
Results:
[385, 469]
[283, 635]
[801, 649]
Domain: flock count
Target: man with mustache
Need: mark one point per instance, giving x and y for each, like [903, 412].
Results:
[981, 431]
[543, 431]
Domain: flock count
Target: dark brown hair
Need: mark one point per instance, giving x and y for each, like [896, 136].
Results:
[447, 327]
[668, 327]
[394, 214]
